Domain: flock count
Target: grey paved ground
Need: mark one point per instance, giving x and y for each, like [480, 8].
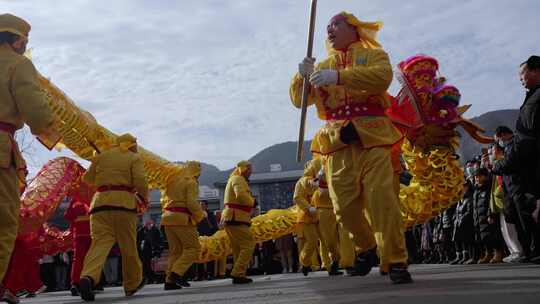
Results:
[478, 284]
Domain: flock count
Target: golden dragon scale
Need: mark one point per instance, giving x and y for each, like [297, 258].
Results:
[437, 174]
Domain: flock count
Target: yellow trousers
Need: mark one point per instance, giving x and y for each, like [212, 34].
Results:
[310, 232]
[361, 185]
[221, 267]
[184, 248]
[329, 235]
[323, 252]
[10, 204]
[346, 249]
[107, 228]
[384, 266]
[315, 263]
[243, 244]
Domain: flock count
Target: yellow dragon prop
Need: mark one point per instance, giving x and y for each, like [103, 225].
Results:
[426, 111]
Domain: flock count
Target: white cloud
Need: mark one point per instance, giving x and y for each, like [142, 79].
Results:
[208, 80]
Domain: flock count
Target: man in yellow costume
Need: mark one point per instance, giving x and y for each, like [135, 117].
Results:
[21, 101]
[236, 218]
[327, 226]
[308, 217]
[181, 214]
[349, 91]
[119, 177]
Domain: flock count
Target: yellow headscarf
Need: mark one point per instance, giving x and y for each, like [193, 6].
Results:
[192, 168]
[126, 141]
[13, 24]
[367, 31]
[241, 167]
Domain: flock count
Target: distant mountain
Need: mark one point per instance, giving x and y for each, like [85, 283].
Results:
[285, 153]
[211, 174]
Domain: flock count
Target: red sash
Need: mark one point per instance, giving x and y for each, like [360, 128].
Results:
[238, 207]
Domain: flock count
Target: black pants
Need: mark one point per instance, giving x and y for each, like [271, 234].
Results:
[148, 273]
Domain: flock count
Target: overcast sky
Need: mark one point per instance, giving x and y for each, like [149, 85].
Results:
[208, 80]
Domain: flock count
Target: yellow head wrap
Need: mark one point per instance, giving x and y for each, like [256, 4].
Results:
[13, 24]
[126, 141]
[367, 31]
[241, 167]
[192, 168]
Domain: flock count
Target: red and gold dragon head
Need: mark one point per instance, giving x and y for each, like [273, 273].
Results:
[426, 109]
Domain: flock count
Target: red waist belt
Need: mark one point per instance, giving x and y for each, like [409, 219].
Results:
[106, 188]
[8, 128]
[350, 111]
[238, 207]
[178, 209]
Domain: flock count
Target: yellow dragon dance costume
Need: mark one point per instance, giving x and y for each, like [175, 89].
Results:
[426, 111]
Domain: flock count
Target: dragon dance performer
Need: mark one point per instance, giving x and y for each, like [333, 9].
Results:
[119, 176]
[236, 218]
[78, 214]
[181, 214]
[328, 229]
[21, 101]
[349, 91]
[23, 273]
[307, 218]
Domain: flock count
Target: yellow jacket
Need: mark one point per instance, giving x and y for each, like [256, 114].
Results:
[321, 199]
[364, 76]
[237, 192]
[21, 101]
[302, 197]
[119, 168]
[182, 192]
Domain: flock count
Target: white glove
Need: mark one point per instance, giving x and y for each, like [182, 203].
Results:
[312, 210]
[305, 68]
[323, 78]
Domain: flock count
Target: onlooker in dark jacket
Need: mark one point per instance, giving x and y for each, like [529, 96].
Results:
[149, 240]
[463, 235]
[208, 226]
[508, 216]
[520, 202]
[527, 147]
[487, 233]
[528, 126]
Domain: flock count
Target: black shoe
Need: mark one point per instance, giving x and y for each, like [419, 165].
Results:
[85, 289]
[334, 269]
[129, 293]
[171, 286]
[7, 296]
[241, 280]
[306, 270]
[31, 295]
[364, 262]
[535, 259]
[74, 290]
[179, 280]
[399, 274]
